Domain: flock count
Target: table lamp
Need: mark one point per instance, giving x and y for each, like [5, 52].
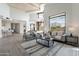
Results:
[71, 30]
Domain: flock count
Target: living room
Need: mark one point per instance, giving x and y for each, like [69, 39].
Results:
[44, 30]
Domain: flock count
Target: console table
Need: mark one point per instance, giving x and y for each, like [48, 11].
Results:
[72, 40]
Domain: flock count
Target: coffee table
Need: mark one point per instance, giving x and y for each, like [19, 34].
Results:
[45, 41]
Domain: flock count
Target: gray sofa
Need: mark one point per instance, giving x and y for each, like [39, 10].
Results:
[58, 36]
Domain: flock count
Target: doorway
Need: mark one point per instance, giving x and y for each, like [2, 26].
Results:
[15, 27]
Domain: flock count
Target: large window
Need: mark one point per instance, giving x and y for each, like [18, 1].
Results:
[57, 23]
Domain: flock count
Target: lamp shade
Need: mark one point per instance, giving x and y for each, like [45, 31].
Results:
[71, 29]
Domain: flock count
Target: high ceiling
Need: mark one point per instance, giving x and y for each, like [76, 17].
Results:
[26, 6]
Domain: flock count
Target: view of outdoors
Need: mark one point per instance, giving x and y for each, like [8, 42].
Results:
[57, 23]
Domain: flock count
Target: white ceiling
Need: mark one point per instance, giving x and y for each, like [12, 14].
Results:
[26, 6]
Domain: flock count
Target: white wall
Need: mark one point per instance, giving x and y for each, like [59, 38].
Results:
[75, 18]
[33, 17]
[4, 10]
[18, 14]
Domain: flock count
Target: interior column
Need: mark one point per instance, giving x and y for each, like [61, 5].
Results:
[0, 28]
